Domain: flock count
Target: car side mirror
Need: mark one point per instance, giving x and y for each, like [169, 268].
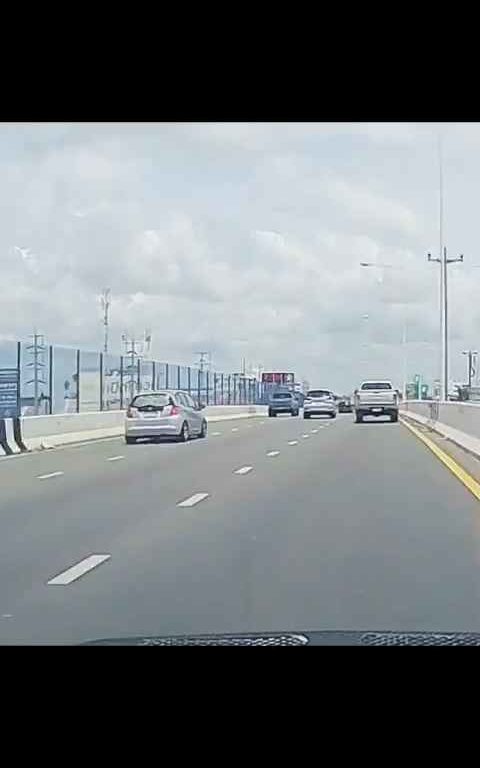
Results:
[201, 406]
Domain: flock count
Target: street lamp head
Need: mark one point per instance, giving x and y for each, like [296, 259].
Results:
[365, 264]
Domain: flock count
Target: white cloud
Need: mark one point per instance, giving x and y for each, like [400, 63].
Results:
[371, 209]
[244, 239]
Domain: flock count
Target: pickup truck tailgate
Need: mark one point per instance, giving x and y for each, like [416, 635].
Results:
[381, 396]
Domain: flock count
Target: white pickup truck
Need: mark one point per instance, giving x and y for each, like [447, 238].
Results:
[375, 398]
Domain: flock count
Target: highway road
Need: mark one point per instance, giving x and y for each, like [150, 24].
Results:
[286, 524]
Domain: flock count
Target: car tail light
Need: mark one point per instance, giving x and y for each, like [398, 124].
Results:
[132, 412]
[175, 410]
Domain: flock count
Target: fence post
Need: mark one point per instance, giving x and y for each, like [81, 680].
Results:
[19, 363]
[189, 382]
[208, 384]
[234, 388]
[178, 377]
[198, 386]
[77, 404]
[166, 375]
[50, 380]
[228, 383]
[214, 388]
[121, 382]
[101, 381]
[138, 375]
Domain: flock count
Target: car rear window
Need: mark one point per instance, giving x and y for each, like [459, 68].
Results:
[154, 401]
[376, 385]
[319, 393]
[282, 396]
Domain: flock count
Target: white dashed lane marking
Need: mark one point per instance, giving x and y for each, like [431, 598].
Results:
[262, 422]
[314, 431]
[305, 436]
[51, 474]
[115, 458]
[243, 470]
[235, 429]
[192, 500]
[74, 573]
[215, 434]
[293, 442]
[273, 453]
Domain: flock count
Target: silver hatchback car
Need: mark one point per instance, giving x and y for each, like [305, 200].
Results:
[167, 413]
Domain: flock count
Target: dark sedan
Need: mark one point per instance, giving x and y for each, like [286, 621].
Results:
[345, 405]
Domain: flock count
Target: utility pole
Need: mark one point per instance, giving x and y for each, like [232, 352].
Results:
[203, 360]
[132, 355]
[105, 302]
[37, 350]
[472, 360]
[404, 347]
[444, 262]
[147, 343]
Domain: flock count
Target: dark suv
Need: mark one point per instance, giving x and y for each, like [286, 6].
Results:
[283, 402]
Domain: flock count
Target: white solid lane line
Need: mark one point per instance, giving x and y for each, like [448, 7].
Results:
[115, 458]
[293, 442]
[74, 573]
[51, 474]
[273, 453]
[243, 470]
[192, 500]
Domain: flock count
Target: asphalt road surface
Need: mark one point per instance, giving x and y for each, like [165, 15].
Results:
[286, 524]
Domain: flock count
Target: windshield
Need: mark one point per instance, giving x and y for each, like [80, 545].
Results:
[319, 393]
[166, 289]
[376, 385]
[153, 401]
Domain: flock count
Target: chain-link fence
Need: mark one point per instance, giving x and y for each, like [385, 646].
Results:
[54, 379]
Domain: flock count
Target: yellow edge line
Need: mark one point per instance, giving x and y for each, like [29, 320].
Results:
[467, 480]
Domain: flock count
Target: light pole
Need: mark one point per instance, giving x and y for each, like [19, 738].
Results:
[444, 262]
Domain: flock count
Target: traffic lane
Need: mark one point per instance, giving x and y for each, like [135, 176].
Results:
[291, 545]
[51, 523]
[86, 462]
[47, 614]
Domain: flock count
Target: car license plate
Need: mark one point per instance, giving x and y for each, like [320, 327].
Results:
[153, 415]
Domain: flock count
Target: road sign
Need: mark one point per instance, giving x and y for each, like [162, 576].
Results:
[9, 394]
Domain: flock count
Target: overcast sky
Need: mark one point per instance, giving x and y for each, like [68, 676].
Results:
[243, 239]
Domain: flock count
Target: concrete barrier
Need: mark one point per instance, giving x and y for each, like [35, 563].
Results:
[11, 437]
[459, 422]
[43, 432]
